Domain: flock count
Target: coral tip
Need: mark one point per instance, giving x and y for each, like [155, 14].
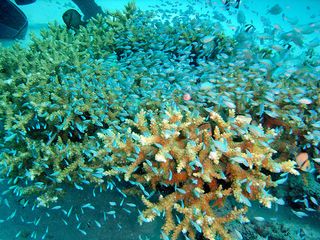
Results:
[186, 97]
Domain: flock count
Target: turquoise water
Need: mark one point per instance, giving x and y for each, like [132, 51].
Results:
[96, 103]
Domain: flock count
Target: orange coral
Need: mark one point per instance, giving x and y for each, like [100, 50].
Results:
[194, 169]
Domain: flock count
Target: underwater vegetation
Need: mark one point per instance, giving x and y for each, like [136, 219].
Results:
[188, 117]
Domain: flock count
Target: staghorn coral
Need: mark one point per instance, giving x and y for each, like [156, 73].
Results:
[195, 165]
[65, 87]
[71, 114]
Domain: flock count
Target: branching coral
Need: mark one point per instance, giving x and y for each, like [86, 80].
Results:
[71, 114]
[196, 165]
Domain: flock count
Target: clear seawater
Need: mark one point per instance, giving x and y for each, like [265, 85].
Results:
[66, 220]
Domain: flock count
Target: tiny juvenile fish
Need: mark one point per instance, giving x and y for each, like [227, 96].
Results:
[88, 205]
[299, 214]
[12, 215]
[237, 4]
[131, 205]
[56, 207]
[314, 201]
[259, 219]
[18, 234]
[82, 231]
[227, 5]
[97, 223]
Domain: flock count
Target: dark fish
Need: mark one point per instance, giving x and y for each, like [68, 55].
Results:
[227, 4]
[24, 2]
[287, 46]
[237, 4]
[310, 52]
[249, 28]
[72, 19]
[275, 10]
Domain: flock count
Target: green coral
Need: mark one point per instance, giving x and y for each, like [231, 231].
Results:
[58, 93]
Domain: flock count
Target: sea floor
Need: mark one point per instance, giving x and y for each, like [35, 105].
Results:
[106, 219]
[111, 216]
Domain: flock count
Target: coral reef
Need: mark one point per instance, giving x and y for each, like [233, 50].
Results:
[195, 165]
[81, 108]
